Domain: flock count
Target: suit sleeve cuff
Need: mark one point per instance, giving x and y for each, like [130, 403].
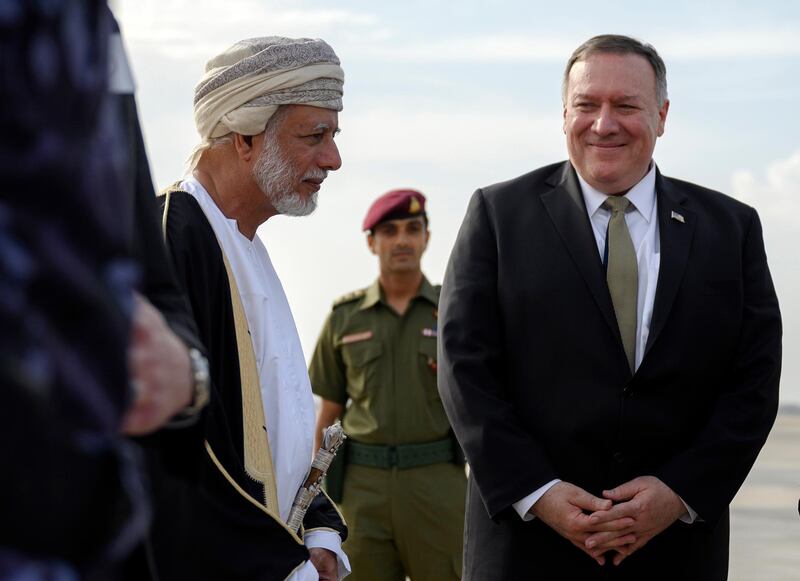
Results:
[323, 539]
[690, 515]
[524, 505]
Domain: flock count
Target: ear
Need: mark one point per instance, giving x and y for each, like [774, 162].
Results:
[564, 122]
[245, 146]
[662, 117]
[371, 243]
[427, 238]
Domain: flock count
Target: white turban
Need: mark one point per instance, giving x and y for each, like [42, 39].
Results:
[244, 86]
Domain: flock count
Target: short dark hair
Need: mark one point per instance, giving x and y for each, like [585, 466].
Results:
[617, 43]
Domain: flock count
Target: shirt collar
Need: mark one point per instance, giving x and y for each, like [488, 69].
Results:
[642, 195]
[428, 292]
[374, 293]
[192, 183]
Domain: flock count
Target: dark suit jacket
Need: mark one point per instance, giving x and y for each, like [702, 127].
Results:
[534, 377]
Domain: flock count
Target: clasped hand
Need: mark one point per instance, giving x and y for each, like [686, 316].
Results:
[622, 522]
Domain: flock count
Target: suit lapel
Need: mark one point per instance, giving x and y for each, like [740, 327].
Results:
[676, 225]
[567, 210]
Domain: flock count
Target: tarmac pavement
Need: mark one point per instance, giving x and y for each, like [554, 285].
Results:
[765, 525]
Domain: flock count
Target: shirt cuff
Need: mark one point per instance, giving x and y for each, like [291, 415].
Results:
[333, 542]
[690, 515]
[524, 505]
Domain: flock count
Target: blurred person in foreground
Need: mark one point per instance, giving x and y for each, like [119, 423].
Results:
[267, 112]
[610, 348]
[74, 337]
[401, 482]
[166, 360]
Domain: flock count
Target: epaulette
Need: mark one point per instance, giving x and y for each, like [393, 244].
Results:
[349, 297]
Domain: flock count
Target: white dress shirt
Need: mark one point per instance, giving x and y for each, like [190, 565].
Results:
[642, 221]
[285, 387]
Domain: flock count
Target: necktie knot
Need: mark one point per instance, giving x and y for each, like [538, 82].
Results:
[616, 204]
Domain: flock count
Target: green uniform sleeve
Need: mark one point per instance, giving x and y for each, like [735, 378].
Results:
[327, 370]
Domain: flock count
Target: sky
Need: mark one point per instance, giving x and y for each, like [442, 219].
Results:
[447, 97]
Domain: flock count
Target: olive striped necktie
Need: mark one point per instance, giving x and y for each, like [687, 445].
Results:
[622, 274]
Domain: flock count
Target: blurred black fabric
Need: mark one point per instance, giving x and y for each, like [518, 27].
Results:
[77, 235]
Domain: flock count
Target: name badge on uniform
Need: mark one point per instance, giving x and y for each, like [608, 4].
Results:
[356, 337]
[429, 333]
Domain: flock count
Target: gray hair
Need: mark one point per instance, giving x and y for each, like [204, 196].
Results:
[619, 44]
[270, 130]
[274, 123]
[215, 142]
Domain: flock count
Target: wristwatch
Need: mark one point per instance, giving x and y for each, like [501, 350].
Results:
[200, 380]
[198, 365]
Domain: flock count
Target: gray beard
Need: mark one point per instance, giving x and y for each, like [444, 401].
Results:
[275, 175]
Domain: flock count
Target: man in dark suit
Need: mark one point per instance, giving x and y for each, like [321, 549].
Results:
[610, 347]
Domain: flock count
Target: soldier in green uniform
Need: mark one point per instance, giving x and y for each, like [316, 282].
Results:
[375, 368]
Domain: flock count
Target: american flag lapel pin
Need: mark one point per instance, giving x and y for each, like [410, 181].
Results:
[679, 217]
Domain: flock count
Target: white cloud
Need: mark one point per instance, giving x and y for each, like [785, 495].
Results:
[456, 137]
[480, 49]
[775, 193]
[775, 41]
[535, 47]
[323, 18]
[187, 29]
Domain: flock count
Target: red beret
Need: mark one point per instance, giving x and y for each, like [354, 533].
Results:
[394, 205]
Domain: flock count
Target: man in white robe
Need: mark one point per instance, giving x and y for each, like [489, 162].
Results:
[267, 112]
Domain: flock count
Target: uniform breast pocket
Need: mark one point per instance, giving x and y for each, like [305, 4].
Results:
[428, 365]
[363, 367]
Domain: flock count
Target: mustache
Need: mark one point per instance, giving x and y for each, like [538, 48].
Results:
[315, 174]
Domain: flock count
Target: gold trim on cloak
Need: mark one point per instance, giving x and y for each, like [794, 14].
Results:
[244, 493]
[257, 453]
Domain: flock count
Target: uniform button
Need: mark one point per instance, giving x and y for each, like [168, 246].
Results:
[627, 390]
[619, 457]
